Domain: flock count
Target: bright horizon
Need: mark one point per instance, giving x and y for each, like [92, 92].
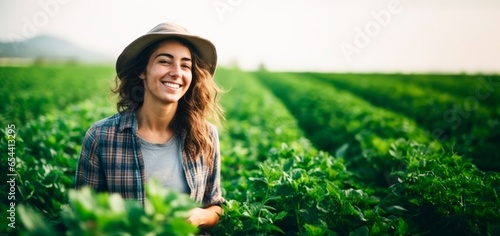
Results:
[320, 35]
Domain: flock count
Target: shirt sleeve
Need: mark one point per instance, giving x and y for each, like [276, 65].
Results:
[88, 169]
[213, 191]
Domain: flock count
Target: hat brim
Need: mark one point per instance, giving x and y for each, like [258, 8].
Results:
[204, 47]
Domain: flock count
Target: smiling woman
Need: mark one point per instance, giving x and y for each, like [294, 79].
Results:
[166, 96]
[167, 76]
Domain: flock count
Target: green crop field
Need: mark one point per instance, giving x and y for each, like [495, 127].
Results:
[302, 154]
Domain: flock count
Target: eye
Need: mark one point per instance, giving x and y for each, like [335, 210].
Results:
[163, 60]
[187, 66]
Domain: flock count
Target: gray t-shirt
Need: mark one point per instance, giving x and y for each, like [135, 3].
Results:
[164, 162]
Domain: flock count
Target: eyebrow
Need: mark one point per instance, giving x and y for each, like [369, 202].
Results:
[171, 56]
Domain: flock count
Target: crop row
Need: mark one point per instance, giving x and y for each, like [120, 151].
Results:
[465, 123]
[480, 85]
[28, 92]
[256, 121]
[287, 187]
[429, 191]
[345, 125]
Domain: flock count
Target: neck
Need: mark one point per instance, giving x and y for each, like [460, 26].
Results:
[156, 118]
[154, 121]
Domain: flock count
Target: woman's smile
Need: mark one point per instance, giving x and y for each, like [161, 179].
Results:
[171, 85]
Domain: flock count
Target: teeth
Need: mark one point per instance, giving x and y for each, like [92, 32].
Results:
[172, 85]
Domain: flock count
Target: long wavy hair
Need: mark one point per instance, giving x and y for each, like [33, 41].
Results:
[195, 109]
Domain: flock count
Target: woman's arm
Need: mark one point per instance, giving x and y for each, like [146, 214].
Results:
[208, 216]
[205, 218]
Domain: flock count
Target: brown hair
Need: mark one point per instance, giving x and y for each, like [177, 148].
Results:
[195, 109]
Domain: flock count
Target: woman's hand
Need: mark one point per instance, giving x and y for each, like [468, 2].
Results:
[205, 217]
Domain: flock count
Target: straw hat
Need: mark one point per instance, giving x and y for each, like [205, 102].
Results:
[205, 48]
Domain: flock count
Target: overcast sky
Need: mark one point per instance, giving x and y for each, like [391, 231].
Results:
[314, 35]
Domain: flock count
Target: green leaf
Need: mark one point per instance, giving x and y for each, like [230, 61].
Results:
[341, 151]
[34, 223]
[297, 173]
[116, 203]
[284, 190]
[314, 230]
[280, 215]
[288, 165]
[402, 227]
[271, 227]
[361, 231]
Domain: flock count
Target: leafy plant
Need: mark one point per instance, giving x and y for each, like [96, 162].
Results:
[464, 118]
[89, 213]
[297, 193]
[440, 193]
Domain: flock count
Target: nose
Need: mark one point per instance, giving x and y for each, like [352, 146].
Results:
[175, 71]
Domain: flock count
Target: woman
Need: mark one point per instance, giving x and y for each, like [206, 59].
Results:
[166, 96]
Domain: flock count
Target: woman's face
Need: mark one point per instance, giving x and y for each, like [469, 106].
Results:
[168, 73]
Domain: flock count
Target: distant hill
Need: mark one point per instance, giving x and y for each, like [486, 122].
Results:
[50, 48]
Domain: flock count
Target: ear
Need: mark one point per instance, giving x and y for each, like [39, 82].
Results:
[142, 75]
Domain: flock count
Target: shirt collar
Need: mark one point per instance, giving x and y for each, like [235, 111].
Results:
[128, 121]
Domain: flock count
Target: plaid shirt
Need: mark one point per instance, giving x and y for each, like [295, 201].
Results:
[111, 160]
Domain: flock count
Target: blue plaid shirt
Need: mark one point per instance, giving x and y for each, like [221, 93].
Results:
[111, 161]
